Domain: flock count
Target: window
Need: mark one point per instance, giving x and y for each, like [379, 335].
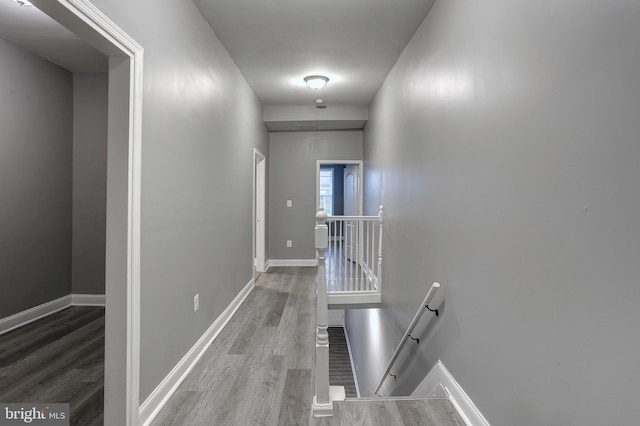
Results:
[326, 190]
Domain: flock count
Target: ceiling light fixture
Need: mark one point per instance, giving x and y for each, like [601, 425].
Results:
[23, 2]
[316, 81]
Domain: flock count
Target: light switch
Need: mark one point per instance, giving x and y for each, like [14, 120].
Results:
[289, 203]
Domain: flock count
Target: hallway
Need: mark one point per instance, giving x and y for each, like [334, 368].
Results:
[260, 368]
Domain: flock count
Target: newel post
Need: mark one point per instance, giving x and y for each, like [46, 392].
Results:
[322, 403]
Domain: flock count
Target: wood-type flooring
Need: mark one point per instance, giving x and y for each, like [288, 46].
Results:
[57, 359]
[260, 369]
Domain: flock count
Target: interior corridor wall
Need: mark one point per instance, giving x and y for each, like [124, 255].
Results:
[36, 112]
[292, 176]
[504, 147]
[200, 123]
[90, 92]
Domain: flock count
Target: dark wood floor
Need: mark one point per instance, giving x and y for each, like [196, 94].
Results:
[57, 359]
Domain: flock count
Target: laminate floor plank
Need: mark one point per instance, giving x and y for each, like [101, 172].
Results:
[435, 412]
[58, 359]
[285, 334]
[38, 334]
[27, 384]
[257, 387]
[272, 318]
[263, 299]
[209, 376]
[294, 407]
[179, 407]
[392, 412]
[88, 411]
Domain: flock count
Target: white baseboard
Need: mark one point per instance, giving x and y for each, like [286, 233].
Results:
[291, 262]
[161, 394]
[88, 300]
[25, 317]
[33, 314]
[439, 377]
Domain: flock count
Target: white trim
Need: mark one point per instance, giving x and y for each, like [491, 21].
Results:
[438, 377]
[33, 314]
[353, 366]
[259, 157]
[291, 262]
[161, 394]
[336, 393]
[342, 299]
[91, 25]
[88, 300]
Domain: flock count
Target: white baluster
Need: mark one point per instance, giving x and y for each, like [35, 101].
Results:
[340, 258]
[381, 215]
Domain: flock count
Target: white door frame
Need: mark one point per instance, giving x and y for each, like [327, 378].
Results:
[259, 210]
[345, 162]
[122, 263]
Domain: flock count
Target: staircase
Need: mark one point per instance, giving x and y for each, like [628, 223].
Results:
[349, 251]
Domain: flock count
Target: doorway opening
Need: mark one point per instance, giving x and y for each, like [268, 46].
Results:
[122, 257]
[339, 192]
[338, 186]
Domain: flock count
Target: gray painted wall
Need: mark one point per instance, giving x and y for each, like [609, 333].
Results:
[89, 182]
[504, 146]
[201, 122]
[35, 180]
[292, 176]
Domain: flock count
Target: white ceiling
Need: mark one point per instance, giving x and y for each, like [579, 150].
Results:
[32, 30]
[276, 43]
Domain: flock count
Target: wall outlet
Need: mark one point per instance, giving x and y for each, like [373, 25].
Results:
[196, 302]
[289, 243]
[289, 203]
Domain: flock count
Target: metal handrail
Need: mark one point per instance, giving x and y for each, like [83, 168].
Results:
[425, 305]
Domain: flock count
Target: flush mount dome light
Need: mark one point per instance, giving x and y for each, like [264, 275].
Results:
[316, 81]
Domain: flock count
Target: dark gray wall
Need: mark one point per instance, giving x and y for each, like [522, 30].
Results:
[89, 182]
[504, 147]
[292, 176]
[35, 180]
[200, 124]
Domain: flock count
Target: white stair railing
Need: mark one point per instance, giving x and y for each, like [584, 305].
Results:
[355, 267]
[354, 254]
[325, 394]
